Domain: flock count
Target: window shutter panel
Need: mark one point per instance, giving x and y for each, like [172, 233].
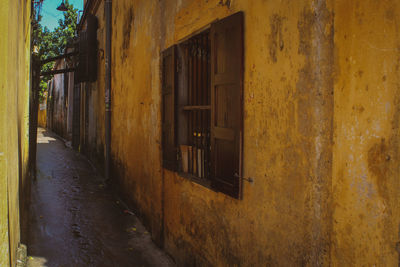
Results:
[88, 48]
[92, 26]
[81, 69]
[169, 76]
[227, 104]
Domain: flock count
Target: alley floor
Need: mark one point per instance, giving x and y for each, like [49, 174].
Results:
[75, 220]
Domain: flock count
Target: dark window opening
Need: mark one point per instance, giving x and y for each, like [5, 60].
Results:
[195, 106]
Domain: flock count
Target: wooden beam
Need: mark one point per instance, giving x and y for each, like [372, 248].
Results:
[52, 72]
[58, 57]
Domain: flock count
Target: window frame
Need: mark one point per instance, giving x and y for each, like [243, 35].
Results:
[224, 149]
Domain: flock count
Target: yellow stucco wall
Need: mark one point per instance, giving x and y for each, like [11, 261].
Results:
[14, 105]
[320, 133]
[366, 154]
[283, 217]
[4, 245]
[42, 118]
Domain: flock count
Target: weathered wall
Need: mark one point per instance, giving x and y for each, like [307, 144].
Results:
[320, 132]
[70, 103]
[60, 103]
[59, 115]
[42, 118]
[366, 171]
[135, 100]
[14, 105]
[4, 244]
[284, 217]
[92, 100]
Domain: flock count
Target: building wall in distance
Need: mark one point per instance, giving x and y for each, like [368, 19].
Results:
[92, 110]
[59, 111]
[59, 102]
[42, 113]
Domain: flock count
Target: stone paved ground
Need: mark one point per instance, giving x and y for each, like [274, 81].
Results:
[75, 220]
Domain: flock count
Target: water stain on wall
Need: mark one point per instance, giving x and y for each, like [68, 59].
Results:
[127, 29]
[315, 119]
[276, 36]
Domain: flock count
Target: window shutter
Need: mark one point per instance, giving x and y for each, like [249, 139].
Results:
[169, 76]
[81, 69]
[92, 25]
[227, 104]
[88, 47]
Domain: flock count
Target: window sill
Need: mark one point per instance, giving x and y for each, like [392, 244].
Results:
[194, 179]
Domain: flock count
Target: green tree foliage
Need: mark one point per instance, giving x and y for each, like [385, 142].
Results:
[47, 44]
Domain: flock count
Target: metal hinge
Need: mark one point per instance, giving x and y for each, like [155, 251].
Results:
[178, 66]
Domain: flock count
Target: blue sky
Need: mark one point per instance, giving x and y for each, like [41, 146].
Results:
[51, 15]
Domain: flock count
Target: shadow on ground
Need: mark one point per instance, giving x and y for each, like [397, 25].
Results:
[76, 221]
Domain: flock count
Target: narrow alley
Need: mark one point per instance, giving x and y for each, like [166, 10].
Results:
[199, 133]
[76, 221]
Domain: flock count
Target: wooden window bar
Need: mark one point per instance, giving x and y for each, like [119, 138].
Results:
[198, 105]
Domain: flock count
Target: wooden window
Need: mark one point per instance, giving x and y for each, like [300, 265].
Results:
[206, 107]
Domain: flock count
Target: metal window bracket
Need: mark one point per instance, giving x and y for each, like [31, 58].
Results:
[249, 179]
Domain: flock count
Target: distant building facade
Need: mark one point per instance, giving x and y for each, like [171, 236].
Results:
[59, 101]
[42, 112]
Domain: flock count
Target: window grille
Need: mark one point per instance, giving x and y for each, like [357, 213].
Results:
[198, 108]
